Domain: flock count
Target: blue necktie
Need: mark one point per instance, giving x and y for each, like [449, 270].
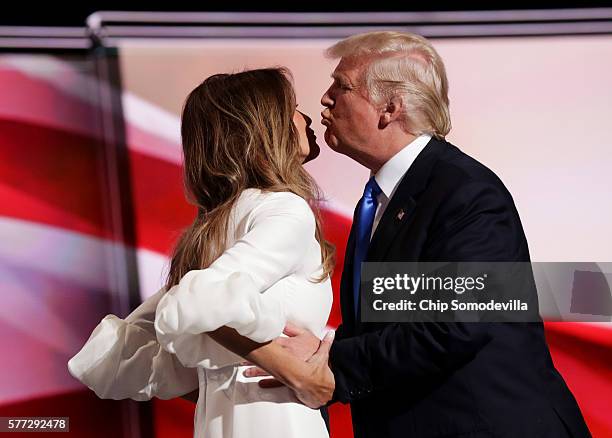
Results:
[366, 210]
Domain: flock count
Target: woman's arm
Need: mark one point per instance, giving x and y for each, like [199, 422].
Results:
[122, 359]
[230, 292]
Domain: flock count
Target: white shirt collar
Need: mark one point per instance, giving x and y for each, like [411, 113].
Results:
[390, 174]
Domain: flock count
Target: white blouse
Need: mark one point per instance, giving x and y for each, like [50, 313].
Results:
[264, 279]
[123, 359]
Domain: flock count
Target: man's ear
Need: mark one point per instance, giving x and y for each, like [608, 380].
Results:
[391, 111]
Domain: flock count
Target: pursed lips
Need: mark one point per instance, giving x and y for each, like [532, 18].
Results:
[325, 121]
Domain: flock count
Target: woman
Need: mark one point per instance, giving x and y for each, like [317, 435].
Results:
[253, 260]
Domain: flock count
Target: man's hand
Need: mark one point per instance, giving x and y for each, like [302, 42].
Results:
[312, 381]
[301, 343]
[317, 386]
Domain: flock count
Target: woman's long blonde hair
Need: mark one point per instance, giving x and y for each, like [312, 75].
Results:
[237, 133]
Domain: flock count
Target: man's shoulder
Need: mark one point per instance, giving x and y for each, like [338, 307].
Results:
[454, 170]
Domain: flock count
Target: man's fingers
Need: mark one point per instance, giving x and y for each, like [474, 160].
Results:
[246, 363]
[283, 342]
[255, 372]
[323, 352]
[269, 383]
[292, 330]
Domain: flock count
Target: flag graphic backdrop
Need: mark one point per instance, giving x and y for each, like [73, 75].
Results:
[56, 241]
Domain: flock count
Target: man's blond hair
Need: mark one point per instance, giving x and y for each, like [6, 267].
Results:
[407, 65]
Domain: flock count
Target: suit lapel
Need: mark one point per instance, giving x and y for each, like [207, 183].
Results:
[399, 211]
[398, 214]
[346, 282]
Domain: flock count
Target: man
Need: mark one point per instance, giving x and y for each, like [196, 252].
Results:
[427, 201]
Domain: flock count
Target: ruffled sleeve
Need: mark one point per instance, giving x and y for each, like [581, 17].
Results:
[123, 359]
[230, 292]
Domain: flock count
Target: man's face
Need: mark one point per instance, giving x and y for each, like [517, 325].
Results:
[350, 118]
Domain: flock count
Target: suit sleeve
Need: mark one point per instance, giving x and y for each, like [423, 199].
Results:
[478, 222]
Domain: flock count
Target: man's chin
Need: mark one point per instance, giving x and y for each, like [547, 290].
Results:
[331, 141]
[335, 146]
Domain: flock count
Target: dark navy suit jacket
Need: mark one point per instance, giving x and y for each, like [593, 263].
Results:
[438, 379]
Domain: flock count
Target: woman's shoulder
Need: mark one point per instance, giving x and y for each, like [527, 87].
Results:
[262, 201]
[257, 207]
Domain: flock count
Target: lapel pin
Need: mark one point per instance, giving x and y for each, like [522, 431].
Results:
[400, 214]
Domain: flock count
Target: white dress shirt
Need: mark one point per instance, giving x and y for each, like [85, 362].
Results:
[391, 173]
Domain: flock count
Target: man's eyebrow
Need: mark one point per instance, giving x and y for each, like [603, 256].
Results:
[340, 77]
